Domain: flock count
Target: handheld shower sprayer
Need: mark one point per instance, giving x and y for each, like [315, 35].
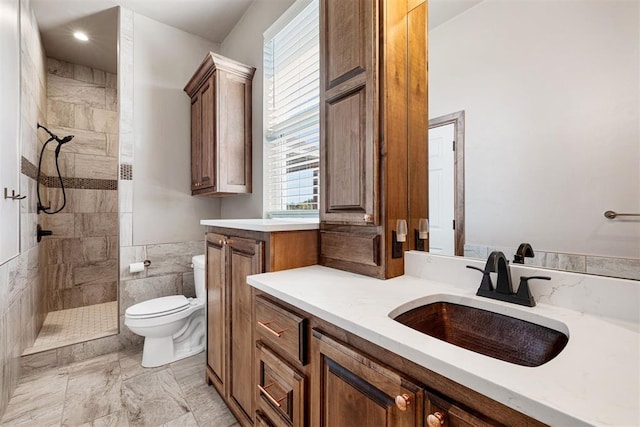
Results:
[54, 137]
[60, 141]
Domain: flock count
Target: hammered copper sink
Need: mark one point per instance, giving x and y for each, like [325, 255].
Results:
[492, 334]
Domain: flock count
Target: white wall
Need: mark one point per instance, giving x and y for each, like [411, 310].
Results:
[164, 211]
[551, 95]
[244, 43]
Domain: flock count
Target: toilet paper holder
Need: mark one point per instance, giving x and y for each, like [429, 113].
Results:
[138, 267]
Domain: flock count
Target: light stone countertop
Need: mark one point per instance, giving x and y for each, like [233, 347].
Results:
[267, 225]
[595, 380]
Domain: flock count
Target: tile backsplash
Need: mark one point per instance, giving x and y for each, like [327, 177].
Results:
[623, 268]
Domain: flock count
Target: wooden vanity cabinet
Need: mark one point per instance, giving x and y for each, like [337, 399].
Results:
[352, 382]
[220, 92]
[232, 255]
[373, 131]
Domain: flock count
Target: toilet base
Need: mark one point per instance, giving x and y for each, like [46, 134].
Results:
[189, 341]
[155, 352]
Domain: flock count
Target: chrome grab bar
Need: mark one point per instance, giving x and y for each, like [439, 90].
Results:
[613, 215]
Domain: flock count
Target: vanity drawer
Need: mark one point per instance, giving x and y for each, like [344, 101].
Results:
[280, 390]
[262, 420]
[283, 330]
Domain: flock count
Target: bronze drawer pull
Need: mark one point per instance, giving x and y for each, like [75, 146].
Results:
[266, 326]
[272, 399]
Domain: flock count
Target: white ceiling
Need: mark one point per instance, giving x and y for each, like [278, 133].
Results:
[210, 19]
[57, 19]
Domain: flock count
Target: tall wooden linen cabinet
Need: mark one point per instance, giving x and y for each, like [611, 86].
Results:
[220, 92]
[373, 131]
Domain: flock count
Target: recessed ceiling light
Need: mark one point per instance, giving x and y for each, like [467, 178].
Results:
[81, 36]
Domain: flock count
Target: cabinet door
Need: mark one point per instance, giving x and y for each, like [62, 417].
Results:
[234, 127]
[196, 141]
[209, 138]
[353, 390]
[349, 111]
[244, 258]
[216, 310]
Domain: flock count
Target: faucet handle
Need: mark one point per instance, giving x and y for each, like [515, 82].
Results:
[486, 283]
[524, 292]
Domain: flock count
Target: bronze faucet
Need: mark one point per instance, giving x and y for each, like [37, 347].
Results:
[497, 263]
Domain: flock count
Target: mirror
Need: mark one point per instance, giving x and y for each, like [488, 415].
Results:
[10, 109]
[550, 94]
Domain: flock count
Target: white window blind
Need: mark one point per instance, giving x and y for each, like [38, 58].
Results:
[292, 91]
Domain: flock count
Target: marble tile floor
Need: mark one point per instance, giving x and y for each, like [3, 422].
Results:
[71, 326]
[114, 390]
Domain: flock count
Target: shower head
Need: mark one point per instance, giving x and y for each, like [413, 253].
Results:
[55, 137]
[62, 141]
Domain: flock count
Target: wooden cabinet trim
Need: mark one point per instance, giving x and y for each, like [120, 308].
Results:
[351, 247]
[216, 312]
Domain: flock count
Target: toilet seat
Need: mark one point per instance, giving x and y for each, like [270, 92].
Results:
[158, 307]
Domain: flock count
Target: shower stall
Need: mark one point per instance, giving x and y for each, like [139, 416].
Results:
[78, 205]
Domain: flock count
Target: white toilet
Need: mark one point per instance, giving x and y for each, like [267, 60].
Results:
[173, 327]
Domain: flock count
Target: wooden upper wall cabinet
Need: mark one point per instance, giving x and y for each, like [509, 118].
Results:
[373, 130]
[220, 92]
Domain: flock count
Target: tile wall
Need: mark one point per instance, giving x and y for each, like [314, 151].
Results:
[82, 254]
[624, 268]
[22, 302]
[170, 272]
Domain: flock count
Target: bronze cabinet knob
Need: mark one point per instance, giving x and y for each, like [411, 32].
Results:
[435, 420]
[402, 401]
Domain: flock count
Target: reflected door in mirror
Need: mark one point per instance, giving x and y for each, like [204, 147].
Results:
[441, 189]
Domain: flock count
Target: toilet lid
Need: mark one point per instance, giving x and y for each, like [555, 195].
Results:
[159, 306]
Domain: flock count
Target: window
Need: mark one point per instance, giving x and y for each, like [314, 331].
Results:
[291, 112]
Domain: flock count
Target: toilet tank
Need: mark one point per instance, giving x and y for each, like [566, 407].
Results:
[198, 275]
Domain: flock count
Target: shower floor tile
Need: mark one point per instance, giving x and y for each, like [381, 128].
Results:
[75, 325]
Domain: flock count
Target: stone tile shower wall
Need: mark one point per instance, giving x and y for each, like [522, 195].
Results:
[22, 296]
[82, 254]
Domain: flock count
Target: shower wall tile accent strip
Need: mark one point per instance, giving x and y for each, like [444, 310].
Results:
[30, 170]
[126, 171]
